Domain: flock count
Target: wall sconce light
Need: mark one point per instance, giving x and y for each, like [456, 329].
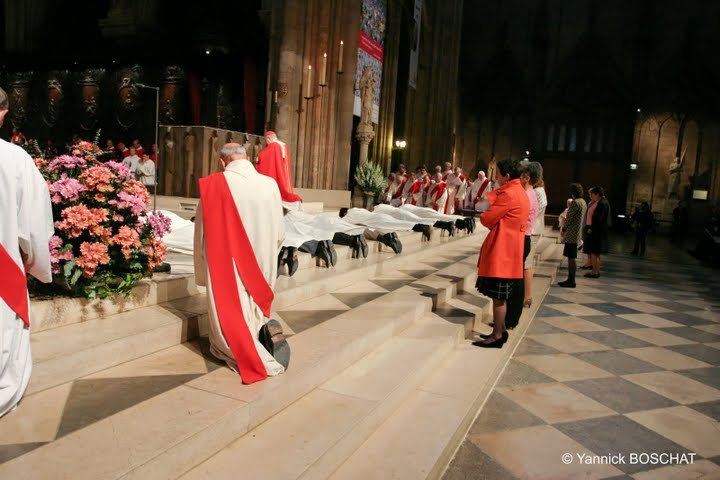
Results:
[633, 166]
[400, 143]
[639, 110]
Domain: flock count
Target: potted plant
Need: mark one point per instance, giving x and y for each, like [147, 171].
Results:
[371, 180]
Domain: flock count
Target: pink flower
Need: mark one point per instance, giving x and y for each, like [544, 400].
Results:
[59, 253]
[98, 178]
[91, 256]
[159, 223]
[133, 187]
[66, 162]
[127, 238]
[120, 170]
[79, 218]
[65, 189]
[131, 202]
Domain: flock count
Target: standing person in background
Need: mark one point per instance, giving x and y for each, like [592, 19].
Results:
[643, 219]
[25, 231]
[132, 161]
[534, 176]
[274, 161]
[145, 172]
[596, 229]
[576, 212]
[500, 264]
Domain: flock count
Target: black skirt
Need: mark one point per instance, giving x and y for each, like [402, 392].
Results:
[497, 288]
[595, 242]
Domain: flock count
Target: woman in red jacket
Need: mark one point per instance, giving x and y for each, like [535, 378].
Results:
[500, 266]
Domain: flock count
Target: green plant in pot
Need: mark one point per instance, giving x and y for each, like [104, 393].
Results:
[370, 178]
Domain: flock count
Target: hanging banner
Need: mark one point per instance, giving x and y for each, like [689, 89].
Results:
[371, 51]
[415, 47]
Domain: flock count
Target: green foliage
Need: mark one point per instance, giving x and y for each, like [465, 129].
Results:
[370, 177]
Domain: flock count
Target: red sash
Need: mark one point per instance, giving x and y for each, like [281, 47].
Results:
[13, 286]
[484, 185]
[226, 241]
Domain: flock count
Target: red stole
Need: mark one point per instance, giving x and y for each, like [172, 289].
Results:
[401, 186]
[13, 286]
[478, 196]
[274, 161]
[437, 193]
[226, 241]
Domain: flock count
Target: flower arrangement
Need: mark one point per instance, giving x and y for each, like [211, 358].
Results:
[105, 239]
[370, 178]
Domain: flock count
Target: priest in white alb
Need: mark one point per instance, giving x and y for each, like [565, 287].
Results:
[239, 229]
[25, 231]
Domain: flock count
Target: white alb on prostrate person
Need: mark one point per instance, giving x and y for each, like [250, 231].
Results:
[25, 232]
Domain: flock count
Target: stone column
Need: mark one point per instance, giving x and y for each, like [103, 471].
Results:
[364, 134]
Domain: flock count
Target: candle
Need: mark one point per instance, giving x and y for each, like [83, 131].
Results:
[275, 96]
[340, 58]
[308, 83]
[323, 72]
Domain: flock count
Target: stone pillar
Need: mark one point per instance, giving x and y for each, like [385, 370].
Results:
[364, 134]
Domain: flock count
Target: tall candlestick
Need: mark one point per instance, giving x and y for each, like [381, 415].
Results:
[308, 83]
[323, 71]
[340, 57]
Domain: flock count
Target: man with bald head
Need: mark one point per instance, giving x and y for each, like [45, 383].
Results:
[239, 230]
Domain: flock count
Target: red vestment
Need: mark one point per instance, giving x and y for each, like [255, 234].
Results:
[13, 286]
[274, 162]
[228, 247]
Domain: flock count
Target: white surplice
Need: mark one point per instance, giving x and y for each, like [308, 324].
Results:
[403, 214]
[429, 213]
[258, 202]
[25, 231]
[378, 221]
[301, 227]
[182, 232]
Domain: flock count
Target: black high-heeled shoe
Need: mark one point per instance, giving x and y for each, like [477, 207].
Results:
[505, 336]
[497, 343]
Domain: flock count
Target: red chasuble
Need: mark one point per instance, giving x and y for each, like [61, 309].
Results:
[274, 161]
[13, 286]
[226, 242]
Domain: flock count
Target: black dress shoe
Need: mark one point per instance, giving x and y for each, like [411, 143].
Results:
[396, 241]
[497, 343]
[592, 275]
[363, 246]
[390, 241]
[322, 253]
[505, 336]
[281, 261]
[567, 284]
[293, 265]
[332, 252]
[585, 267]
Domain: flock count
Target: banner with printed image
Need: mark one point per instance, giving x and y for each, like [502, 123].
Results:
[415, 47]
[371, 50]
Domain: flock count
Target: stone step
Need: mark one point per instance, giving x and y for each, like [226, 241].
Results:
[419, 440]
[167, 434]
[72, 351]
[345, 410]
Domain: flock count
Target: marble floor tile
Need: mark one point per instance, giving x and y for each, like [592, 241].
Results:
[714, 345]
[617, 362]
[614, 339]
[656, 337]
[697, 470]
[535, 453]
[684, 426]
[614, 323]
[644, 307]
[362, 287]
[501, 413]
[569, 342]
[693, 334]
[355, 299]
[612, 308]
[713, 328]
[581, 298]
[301, 320]
[36, 419]
[540, 326]
[683, 318]
[642, 297]
[705, 315]
[700, 352]
[676, 387]
[518, 373]
[708, 376]
[563, 367]
[470, 462]
[574, 324]
[528, 346]
[709, 409]
[664, 358]
[323, 302]
[620, 395]
[555, 402]
[574, 309]
[648, 320]
[619, 435]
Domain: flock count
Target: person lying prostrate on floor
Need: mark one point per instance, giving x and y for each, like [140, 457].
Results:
[424, 225]
[381, 227]
[442, 220]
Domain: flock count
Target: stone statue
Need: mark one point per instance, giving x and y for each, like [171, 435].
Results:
[189, 170]
[170, 161]
[367, 95]
[675, 172]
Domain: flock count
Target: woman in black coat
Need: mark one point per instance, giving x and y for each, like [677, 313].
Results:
[596, 230]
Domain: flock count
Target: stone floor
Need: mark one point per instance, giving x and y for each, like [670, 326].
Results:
[625, 364]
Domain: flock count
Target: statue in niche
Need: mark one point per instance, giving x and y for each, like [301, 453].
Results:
[675, 172]
[170, 161]
[211, 164]
[128, 97]
[189, 167]
[368, 83]
[55, 98]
